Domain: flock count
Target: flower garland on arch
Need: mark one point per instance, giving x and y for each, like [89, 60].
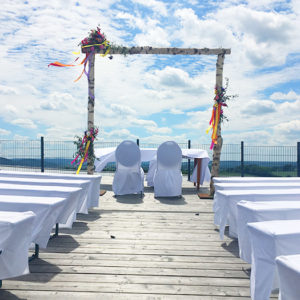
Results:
[94, 41]
[83, 147]
[217, 115]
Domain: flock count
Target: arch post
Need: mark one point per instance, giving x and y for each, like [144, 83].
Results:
[217, 147]
[90, 107]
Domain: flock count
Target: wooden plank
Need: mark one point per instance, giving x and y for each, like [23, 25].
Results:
[61, 295]
[141, 279]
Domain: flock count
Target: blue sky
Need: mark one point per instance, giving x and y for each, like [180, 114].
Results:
[154, 98]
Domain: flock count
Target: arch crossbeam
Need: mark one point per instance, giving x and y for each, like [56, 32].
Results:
[162, 51]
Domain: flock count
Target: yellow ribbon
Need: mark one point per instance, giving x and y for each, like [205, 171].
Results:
[82, 160]
[105, 43]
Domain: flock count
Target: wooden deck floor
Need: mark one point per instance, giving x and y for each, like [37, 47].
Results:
[138, 248]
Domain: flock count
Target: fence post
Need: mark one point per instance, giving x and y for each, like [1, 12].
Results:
[298, 159]
[42, 155]
[138, 142]
[242, 159]
[189, 162]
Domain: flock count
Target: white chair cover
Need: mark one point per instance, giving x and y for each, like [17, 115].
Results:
[129, 176]
[167, 177]
[151, 172]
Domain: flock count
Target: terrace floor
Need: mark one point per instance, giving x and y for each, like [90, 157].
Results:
[138, 248]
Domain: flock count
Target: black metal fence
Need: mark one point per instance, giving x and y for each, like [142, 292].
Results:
[236, 159]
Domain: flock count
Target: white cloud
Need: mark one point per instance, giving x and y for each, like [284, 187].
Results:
[4, 132]
[120, 134]
[157, 6]
[259, 107]
[291, 95]
[6, 90]
[176, 111]
[156, 37]
[162, 130]
[26, 123]
[122, 109]
[20, 137]
[10, 109]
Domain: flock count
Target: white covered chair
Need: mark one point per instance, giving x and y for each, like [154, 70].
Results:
[167, 177]
[129, 176]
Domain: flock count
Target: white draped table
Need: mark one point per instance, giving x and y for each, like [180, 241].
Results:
[254, 179]
[268, 240]
[249, 212]
[83, 184]
[15, 239]
[200, 174]
[46, 209]
[227, 204]
[71, 194]
[94, 182]
[265, 185]
[257, 185]
[288, 267]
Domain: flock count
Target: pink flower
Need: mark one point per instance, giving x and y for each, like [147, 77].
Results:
[101, 46]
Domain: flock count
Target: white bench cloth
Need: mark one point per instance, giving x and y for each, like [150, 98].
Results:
[254, 179]
[252, 186]
[72, 195]
[15, 239]
[268, 240]
[94, 187]
[83, 184]
[249, 212]
[256, 185]
[227, 209]
[288, 268]
[46, 209]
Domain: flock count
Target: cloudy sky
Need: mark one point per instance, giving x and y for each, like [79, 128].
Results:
[154, 98]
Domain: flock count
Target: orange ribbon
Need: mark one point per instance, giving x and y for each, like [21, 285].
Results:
[84, 61]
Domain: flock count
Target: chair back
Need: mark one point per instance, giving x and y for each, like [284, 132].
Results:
[169, 156]
[128, 154]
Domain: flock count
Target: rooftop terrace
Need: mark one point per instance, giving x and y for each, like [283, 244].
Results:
[138, 248]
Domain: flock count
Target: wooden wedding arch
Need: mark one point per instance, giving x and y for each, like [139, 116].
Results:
[220, 52]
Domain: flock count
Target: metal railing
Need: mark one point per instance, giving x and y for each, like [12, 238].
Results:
[236, 159]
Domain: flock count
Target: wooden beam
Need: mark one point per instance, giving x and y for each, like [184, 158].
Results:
[166, 51]
[217, 147]
[91, 104]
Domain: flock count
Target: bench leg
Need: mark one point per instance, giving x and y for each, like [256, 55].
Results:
[36, 253]
[56, 231]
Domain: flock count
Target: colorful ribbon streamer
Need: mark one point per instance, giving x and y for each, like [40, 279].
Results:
[215, 118]
[85, 156]
[83, 62]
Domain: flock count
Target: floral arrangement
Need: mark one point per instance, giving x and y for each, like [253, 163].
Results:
[218, 116]
[84, 148]
[96, 41]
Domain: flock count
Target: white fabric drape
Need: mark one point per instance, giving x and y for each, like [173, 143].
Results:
[249, 212]
[289, 276]
[15, 238]
[129, 176]
[268, 240]
[167, 176]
